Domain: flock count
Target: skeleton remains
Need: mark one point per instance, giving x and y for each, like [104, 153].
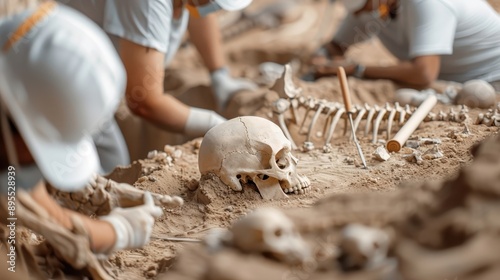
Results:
[291, 100]
[252, 150]
[101, 195]
[363, 247]
[490, 118]
[268, 231]
[71, 247]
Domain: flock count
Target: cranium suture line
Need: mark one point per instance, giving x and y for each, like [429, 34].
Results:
[251, 151]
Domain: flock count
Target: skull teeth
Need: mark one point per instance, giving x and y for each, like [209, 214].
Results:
[301, 188]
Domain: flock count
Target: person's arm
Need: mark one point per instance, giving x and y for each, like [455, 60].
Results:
[205, 35]
[420, 72]
[102, 234]
[144, 92]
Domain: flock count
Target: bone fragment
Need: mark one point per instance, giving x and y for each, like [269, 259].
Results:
[381, 154]
[415, 157]
[433, 153]
[284, 86]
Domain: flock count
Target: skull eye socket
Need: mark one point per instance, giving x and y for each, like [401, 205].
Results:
[282, 159]
[263, 177]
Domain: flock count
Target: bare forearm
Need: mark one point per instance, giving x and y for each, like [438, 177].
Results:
[404, 72]
[205, 34]
[163, 110]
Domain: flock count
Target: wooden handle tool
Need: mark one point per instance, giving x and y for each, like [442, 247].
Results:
[346, 94]
[396, 143]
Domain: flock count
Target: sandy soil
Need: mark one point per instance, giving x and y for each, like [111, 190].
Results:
[345, 191]
[333, 174]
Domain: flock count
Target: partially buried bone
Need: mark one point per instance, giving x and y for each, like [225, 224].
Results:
[269, 232]
[363, 247]
[381, 154]
[433, 153]
[419, 263]
[279, 108]
[70, 247]
[252, 151]
[102, 195]
[284, 86]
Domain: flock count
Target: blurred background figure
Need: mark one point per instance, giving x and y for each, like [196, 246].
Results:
[147, 35]
[60, 82]
[452, 40]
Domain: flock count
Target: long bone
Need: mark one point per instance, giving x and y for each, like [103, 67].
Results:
[310, 105]
[335, 120]
[369, 118]
[376, 125]
[279, 108]
[321, 106]
[361, 113]
[401, 113]
[390, 119]
[332, 107]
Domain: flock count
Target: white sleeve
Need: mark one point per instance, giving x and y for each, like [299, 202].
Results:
[431, 28]
[352, 30]
[144, 22]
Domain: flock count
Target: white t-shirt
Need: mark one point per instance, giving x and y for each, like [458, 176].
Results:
[149, 23]
[465, 33]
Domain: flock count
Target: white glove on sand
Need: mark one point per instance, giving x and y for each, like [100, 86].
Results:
[224, 86]
[133, 226]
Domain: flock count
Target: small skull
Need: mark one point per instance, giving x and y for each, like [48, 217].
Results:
[268, 231]
[363, 247]
[252, 150]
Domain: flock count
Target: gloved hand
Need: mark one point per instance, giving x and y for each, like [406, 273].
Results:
[133, 226]
[200, 121]
[224, 86]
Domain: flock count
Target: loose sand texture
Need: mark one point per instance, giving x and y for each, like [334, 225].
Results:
[432, 210]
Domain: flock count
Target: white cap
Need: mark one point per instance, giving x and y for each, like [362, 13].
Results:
[353, 6]
[60, 82]
[233, 5]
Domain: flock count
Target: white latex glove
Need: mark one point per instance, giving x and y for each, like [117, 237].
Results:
[133, 226]
[224, 86]
[200, 121]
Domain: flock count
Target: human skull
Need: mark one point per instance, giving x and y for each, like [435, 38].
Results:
[363, 247]
[252, 150]
[268, 231]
